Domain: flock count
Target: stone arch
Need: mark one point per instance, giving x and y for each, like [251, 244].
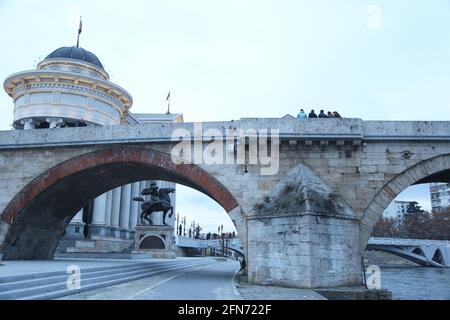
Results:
[38, 214]
[152, 241]
[436, 169]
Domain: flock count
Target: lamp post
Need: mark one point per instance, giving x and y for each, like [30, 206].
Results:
[223, 245]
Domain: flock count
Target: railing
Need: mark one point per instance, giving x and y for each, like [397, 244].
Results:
[203, 243]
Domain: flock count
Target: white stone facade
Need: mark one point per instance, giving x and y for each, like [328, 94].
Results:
[66, 92]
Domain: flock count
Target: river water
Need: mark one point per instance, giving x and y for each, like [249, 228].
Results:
[416, 283]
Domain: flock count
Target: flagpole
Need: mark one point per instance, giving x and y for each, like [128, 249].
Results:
[168, 103]
[80, 28]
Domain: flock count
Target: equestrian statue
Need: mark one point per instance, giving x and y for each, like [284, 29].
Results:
[159, 201]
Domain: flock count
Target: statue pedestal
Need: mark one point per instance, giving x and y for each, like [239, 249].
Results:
[156, 240]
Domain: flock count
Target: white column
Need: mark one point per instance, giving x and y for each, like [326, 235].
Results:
[108, 209]
[142, 186]
[158, 216]
[134, 206]
[173, 197]
[54, 122]
[115, 212]
[29, 124]
[124, 219]
[98, 216]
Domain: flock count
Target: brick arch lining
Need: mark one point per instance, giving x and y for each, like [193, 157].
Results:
[39, 213]
[436, 169]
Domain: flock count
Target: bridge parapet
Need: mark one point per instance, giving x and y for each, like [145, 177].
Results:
[408, 242]
[289, 129]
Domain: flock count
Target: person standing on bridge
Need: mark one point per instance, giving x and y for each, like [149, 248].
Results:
[322, 114]
[336, 114]
[302, 115]
[312, 114]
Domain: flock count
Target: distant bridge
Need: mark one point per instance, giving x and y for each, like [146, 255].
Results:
[428, 253]
[216, 244]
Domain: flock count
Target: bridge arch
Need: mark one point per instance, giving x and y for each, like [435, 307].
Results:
[39, 213]
[438, 257]
[419, 252]
[436, 169]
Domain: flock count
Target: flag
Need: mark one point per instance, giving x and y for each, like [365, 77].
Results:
[168, 96]
[80, 28]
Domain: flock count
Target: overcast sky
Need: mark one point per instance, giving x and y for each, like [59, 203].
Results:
[227, 59]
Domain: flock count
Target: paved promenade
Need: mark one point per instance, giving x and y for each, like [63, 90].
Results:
[177, 279]
[211, 281]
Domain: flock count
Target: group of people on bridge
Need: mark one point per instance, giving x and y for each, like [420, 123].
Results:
[312, 115]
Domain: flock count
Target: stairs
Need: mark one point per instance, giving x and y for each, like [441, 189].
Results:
[64, 244]
[50, 285]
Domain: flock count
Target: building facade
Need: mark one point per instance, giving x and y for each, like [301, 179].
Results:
[440, 196]
[70, 88]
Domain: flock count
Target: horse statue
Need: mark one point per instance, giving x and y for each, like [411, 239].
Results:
[159, 201]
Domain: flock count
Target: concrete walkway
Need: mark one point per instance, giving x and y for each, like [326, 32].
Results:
[213, 282]
[212, 279]
[207, 282]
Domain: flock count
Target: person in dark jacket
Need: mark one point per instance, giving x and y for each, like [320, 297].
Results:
[336, 114]
[329, 114]
[312, 114]
[322, 114]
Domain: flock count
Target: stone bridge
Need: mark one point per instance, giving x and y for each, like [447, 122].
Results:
[305, 224]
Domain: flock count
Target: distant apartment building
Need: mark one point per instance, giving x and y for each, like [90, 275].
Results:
[440, 196]
[398, 210]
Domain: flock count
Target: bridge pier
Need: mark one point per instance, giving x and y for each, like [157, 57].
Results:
[303, 235]
[308, 251]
